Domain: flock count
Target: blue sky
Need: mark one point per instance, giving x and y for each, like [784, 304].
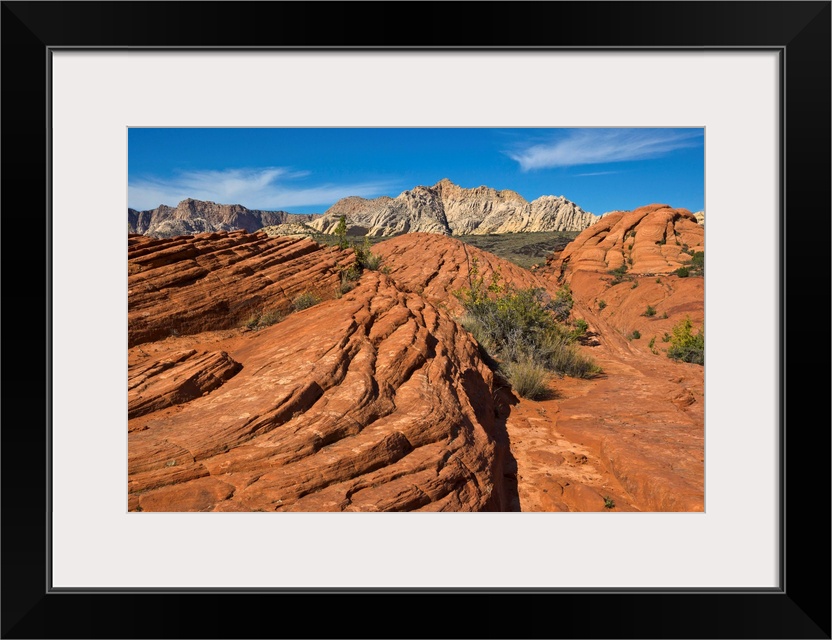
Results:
[306, 170]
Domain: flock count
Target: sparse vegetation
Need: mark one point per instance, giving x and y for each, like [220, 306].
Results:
[634, 335]
[635, 284]
[658, 280]
[618, 274]
[602, 304]
[609, 503]
[263, 319]
[526, 250]
[649, 311]
[682, 272]
[685, 346]
[366, 258]
[664, 316]
[305, 300]
[519, 329]
[697, 263]
[528, 378]
[666, 337]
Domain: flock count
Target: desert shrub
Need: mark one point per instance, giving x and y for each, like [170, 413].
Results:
[685, 346]
[635, 284]
[305, 300]
[527, 377]
[635, 335]
[666, 337]
[349, 277]
[270, 317]
[260, 320]
[697, 263]
[682, 272]
[602, 304]
[519, 327]
[580, 326]
[650, 311]
[618, 274]
[366, 259]
[561, 306]
[658, 280]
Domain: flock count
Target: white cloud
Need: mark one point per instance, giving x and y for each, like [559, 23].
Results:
[599, 146]
[268, 188]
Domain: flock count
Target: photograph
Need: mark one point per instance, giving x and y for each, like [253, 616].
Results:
[384, 263]
[416, 319]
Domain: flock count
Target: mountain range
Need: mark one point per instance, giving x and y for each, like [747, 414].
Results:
[444, 208]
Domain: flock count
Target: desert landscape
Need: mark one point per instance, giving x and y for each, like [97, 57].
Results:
[446, 349]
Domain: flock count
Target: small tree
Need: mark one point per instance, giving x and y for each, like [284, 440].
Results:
[341, 232]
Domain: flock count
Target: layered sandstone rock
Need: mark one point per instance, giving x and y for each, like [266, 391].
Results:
[449, 209]
[189, 284]
[436, 266]
[376, 401]
[197, 216]
[655, 239]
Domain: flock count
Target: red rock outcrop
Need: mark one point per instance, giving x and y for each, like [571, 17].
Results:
[436, 266]
[376, 401]
[190, 284]
[655, 239]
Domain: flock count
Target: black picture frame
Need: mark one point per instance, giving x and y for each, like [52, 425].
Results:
[799, 608]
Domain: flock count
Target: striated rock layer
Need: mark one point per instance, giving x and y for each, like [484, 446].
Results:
[376, 401]
[436, 266]
[189, 284]
[197, 216]
[449, 209]
[655, 239]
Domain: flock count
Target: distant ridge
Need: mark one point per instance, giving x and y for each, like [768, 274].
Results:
[196, 216]
[449, 209]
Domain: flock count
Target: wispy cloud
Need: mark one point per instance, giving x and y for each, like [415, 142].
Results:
[256, 188]
[599, 146]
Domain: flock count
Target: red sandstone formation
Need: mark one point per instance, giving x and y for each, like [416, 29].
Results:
[655, 239]
[435, 266]
[377, 401]
[211, 281]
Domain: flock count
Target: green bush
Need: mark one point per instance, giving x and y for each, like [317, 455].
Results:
[561, 306]
[685, 346]
[635, 335]
[581, 326]
[602, 305]
[697, 263]
[618, 274]
[682, 272]
[366, 259]
[519, 327]
[650, 311]
[260, 320]
[305, 300]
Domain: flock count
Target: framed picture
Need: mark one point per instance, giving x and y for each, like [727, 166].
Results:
[755, 77]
